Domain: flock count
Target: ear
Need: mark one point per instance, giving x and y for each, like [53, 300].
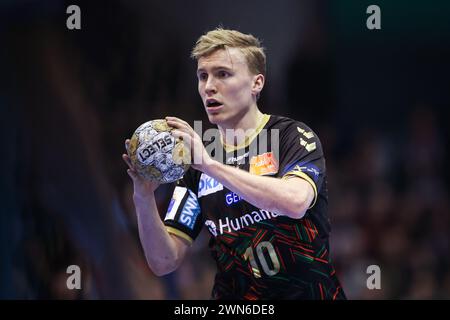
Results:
[258, 84]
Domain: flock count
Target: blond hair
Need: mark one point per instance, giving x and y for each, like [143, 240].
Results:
[223, 38]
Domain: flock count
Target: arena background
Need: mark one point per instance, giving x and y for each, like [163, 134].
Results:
[69, 98]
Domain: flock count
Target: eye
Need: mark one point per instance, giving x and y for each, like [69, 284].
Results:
[223, 74]
[202, 76]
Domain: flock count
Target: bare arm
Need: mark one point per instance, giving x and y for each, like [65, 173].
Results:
[291, 197]
[163, 251]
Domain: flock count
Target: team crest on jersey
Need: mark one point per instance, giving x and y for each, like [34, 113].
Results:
[264, 164]
[208, 185]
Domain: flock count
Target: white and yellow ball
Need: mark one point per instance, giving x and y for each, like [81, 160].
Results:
[156, 154]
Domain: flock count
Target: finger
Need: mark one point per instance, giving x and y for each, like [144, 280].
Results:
[187, 140]
[127, 144]
[171, 118]
[127, 161]
[186, 129]
[177, 121]
[176, 124]
[182, 135]
[133, 175]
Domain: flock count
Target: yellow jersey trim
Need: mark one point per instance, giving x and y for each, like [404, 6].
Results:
[304, 176]
[230, 148]
[180, 234]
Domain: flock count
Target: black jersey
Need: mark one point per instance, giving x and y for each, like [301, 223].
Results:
[262, 254]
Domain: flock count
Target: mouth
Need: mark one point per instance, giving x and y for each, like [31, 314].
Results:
[213, 105]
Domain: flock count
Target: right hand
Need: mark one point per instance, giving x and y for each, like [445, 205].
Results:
[143, 189]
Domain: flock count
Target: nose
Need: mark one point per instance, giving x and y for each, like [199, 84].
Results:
[210, 86]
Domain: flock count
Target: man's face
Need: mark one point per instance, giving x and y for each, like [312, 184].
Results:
[226, 86]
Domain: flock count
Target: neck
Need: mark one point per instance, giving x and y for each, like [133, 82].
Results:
[232, 132]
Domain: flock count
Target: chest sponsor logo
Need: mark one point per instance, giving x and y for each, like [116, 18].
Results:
[208, 185]
[231, 198]
[236, 224]
[264, 164]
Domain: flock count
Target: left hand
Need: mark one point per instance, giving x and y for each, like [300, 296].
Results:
[200, 157]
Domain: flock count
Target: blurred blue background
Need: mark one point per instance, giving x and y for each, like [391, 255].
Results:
[69, 98]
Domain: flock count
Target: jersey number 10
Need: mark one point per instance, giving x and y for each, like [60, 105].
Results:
[270, 271]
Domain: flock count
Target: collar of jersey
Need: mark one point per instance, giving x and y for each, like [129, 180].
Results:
[230, 148]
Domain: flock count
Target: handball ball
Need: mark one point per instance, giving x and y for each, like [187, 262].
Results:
[156, 154]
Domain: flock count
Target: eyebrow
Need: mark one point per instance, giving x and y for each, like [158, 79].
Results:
[215, 69]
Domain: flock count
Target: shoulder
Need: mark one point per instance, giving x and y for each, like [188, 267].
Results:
[288, 125]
